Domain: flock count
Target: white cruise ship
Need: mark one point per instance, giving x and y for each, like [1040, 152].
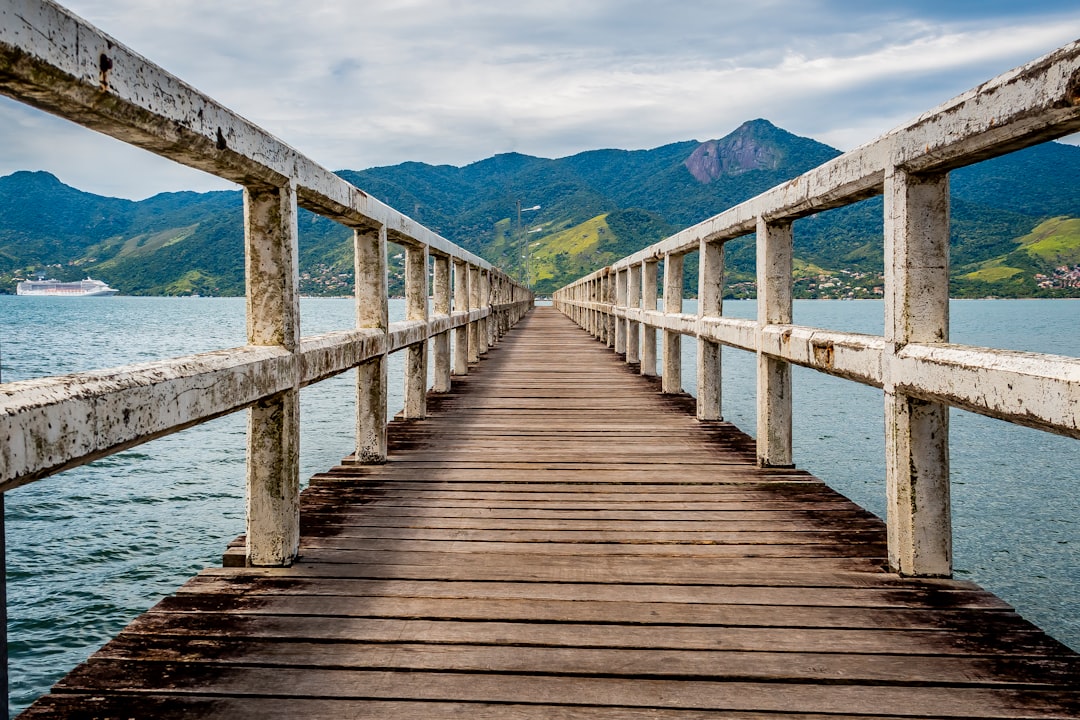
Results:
[55, 288]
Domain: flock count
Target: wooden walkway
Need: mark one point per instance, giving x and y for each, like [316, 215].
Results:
[559, 540]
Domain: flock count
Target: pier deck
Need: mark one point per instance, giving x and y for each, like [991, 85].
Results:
[559, 539]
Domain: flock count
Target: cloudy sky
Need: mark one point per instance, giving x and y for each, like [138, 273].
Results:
[359, 84]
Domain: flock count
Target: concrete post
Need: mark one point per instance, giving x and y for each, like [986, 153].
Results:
[371, 377]
[474, 304]
[416, 308]
[774, 288]
[648, 302]
[610, 280]
[441, 342]
[673, 292]
[590, 296]
[916, 432]
[620, 303]
[710, 304]
[633, 329]
[598, 297]
[461, 303]
[273, 318]
[485, 304]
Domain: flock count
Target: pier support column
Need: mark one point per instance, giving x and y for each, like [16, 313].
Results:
[916, 432]
[441, 342]
[273, 318]
[648, 302]
[461, 304]
[671, 380]
[369, 250]
[416, 308]
[633, 329]
[774, 288]
[710, 299]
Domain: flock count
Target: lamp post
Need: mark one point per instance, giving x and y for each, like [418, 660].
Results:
[520, 239]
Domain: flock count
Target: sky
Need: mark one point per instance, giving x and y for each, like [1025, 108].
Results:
[360, 84]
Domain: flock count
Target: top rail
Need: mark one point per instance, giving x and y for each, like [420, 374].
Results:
[921, 373]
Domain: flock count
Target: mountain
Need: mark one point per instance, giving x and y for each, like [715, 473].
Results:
[1014, 220]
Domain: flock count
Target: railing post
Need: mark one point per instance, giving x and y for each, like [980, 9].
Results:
[710, 304]
[774, 290]
[505, 295]
[441, 342]
[590, 312]
[497, 312]
[598, 321]
[485, 303]
[369, 250]
[648, 302]
[609, 305]
[633, 329]
[620, 303]
[601, 318]
[273, 318]
[916, 432]
[416, 308]
[671, 380]
[474, 304]
[461, 304]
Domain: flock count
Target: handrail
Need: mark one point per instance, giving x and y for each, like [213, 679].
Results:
[921, 373]
[57, 62]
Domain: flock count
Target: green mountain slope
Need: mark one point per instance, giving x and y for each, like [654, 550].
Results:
[1014, 220]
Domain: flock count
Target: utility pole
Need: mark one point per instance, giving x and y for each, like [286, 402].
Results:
[524, 245]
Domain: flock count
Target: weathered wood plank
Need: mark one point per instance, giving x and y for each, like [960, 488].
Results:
[161, 706]
[1016, 671]
[611, 611]
[942, 594]
[733, 695]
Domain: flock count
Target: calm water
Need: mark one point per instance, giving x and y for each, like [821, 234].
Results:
[76, 576]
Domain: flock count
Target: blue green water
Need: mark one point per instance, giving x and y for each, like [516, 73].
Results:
[91, 548]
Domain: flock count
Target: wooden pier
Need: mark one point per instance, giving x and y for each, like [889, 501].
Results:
[559, 539]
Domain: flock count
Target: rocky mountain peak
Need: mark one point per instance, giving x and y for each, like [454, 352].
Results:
[746, 148]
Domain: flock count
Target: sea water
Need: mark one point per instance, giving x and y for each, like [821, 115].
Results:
[91, 548]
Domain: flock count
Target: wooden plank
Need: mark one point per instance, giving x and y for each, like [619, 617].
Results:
[162, 706]
[343, 549]
[577, 691]
[612, 635]
[674, 664]
[943, 595]
[611, 611]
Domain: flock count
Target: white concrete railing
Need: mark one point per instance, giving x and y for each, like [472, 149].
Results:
[54, 61]
[920, 371]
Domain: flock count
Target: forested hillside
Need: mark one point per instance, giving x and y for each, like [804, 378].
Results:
[1015, 230]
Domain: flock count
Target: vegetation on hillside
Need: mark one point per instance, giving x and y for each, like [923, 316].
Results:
[1015, 221]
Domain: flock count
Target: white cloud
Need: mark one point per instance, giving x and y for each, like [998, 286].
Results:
[454, 81]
